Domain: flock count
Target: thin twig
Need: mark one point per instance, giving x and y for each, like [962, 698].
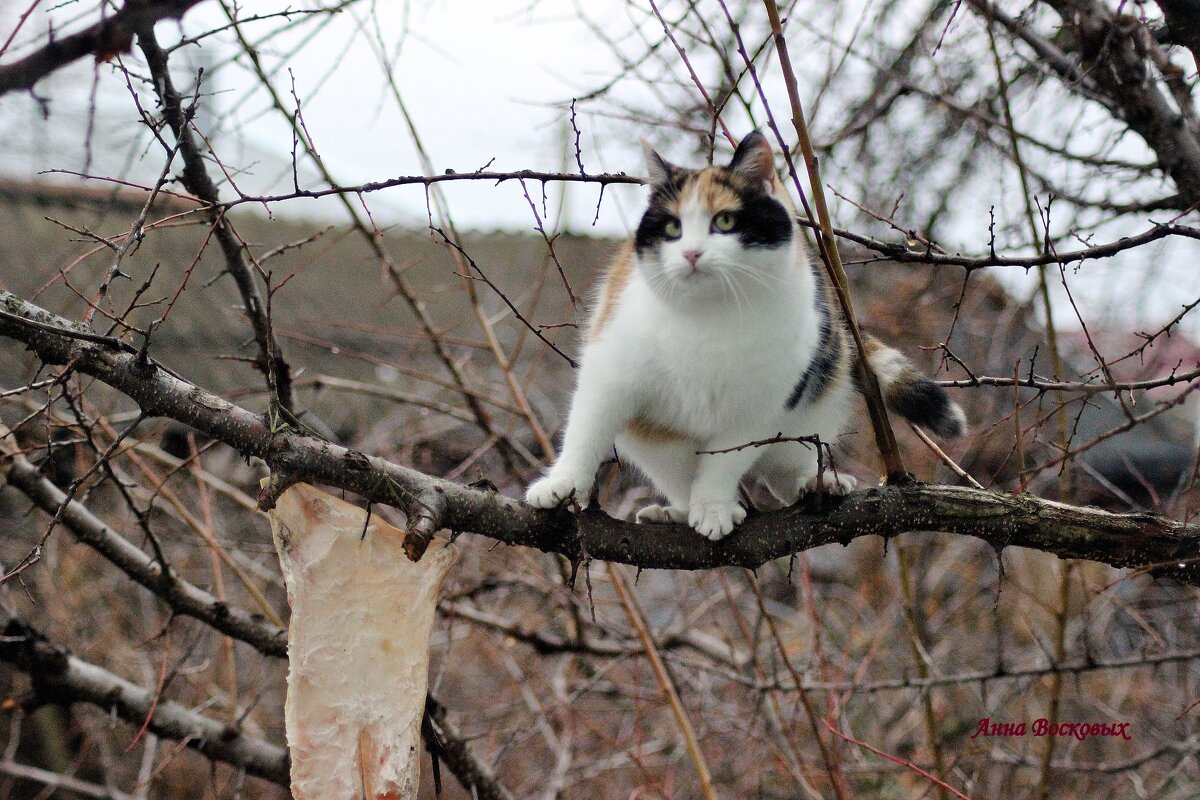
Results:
[884, 438]
[637, 619]
[902, 762]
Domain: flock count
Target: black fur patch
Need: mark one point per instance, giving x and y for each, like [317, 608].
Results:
[650, 230]
[820, 370]
[762, 221]
[924, 402]
[749, 142]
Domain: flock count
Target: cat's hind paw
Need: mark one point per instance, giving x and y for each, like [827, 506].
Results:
[661, 515]
[554, 490]
[830, 482]
[714, 521]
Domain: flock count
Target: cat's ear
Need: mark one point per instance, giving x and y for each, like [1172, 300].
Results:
[659, 169]
[753, 160]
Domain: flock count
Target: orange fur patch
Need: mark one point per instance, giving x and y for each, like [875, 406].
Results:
[759, 161]
[871, 345]
[713, 192]
[615, 280]
[653, 432]
[779, 192]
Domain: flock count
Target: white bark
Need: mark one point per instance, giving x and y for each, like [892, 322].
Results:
[358, 647]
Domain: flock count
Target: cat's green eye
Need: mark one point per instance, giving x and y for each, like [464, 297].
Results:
[724, 222]
[672, 229]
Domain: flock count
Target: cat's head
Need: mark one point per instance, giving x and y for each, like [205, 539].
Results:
[718, 234]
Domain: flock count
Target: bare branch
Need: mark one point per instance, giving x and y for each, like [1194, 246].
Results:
[895, 251]
[1120, 540]
[1114, 47]
[196, 179]
[1174, 379]
[450, 744]
[60, 677]
[182, 596]
[106, 38]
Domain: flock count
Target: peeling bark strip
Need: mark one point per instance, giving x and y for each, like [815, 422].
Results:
[186, 598]
[1120, 540]
[358, 649]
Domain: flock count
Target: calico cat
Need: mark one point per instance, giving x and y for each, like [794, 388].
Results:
[713, 330]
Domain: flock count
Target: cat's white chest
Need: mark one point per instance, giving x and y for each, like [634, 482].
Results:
[703, 374]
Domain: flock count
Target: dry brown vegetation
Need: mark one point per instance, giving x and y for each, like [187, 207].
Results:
[859, 669]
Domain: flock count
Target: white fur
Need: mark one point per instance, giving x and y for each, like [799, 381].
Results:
[888, 364]
[959, 416]
[712, 352]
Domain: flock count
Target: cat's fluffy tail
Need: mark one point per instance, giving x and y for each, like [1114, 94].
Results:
[910, 394]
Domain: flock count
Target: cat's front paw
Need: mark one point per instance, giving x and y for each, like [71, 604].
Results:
[714, 521]
[554, 489]
[830, 482]
[661, 515]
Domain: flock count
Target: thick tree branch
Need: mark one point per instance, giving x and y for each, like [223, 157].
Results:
[60, 677]
[105, 39]
[1114, 54]
[1058, 61]
[1183, 22]
[1121, 540]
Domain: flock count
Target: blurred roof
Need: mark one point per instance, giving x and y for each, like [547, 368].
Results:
[338, 313]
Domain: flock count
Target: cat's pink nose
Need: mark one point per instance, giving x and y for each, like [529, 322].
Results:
[693, 256]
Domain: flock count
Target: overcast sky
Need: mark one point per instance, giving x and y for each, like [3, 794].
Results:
[485, 83]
